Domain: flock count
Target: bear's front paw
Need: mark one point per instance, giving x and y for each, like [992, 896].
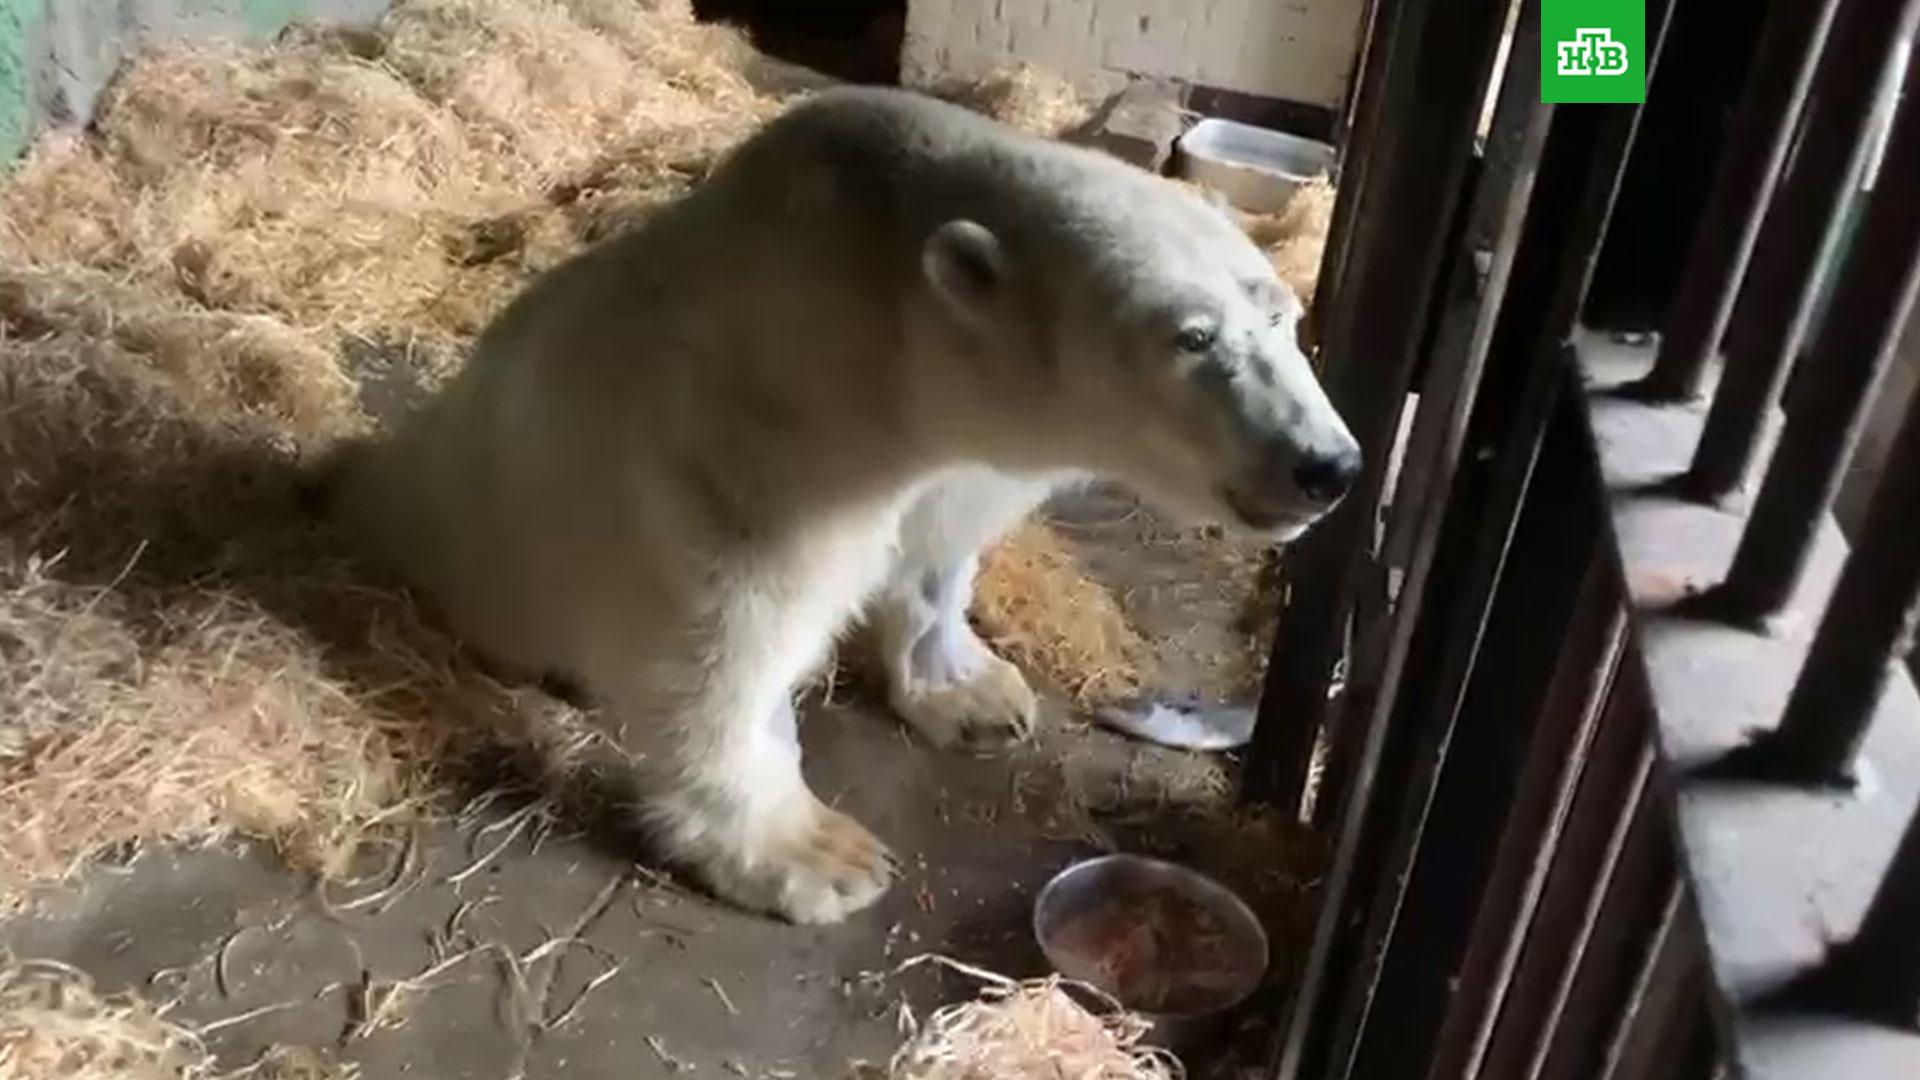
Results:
[818, 866]
[994, 708]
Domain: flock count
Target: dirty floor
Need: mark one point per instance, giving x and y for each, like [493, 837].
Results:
[509, 940]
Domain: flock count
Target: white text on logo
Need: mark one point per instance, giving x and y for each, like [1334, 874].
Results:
[1592, 52]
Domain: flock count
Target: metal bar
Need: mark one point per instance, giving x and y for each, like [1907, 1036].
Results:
[1851, 352]
[1503, 927]
[1668, 999]
[1360, 126]
[1776, 90]
[1304, 1017]
[1536, 1038]
[1578, 180]
[1880, 967]
[1458, 356]
[1550, 623]
[1641, 888]
[1777, 869]
[1776, 302]
[1434, 59]
[1868, 627]
[1349, 106]
[1702, 1057]
[1875, 975]
[1617, 769]
[1480, 278]
[1451, 788]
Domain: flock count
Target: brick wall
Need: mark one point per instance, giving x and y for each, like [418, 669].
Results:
[1296, 50]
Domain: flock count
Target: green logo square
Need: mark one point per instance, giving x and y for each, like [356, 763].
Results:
[1593, 51]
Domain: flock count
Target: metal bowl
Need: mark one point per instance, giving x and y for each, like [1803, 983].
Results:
[1128, 882]
[1256, 169]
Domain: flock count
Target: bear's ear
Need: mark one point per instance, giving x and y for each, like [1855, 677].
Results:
[964, 263]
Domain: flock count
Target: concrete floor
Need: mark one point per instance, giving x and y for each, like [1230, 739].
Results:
[546, 953]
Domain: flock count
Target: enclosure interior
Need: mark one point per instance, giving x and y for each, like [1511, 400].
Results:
[239, 780]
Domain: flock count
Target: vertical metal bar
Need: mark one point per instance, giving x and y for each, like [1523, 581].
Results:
[1516, 722]
[1851, 353]
[1617, 769]
[1359, 132]
[1496, 768]
[1349, 108]
[1778, 295]
[1642, 887]
[1480, 282]
[1408, 730]
[1434, 61]
[1702, 1058]
[1579, 933]
[1316, 1000]
[1775, 91]
[1868, 627]
[1668, 998]
[1877, 974]
[1509, 926]
[1459, 353]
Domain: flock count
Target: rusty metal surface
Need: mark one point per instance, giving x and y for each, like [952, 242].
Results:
[1618, 766]
[1433, 61]
[1535, 829]
[1578, 179]
[1471, 305]
[1778, 873]
[1846, 362]
[1573, 192]
[1717, 261]
[1619, 937]
[1772, 312]
[1457, 358]
[1524, 844]
[1494, 784]
[1668, 1003]
[1402, 769]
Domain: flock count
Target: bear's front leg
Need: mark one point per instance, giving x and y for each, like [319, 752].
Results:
[726, 796]
[941, 678]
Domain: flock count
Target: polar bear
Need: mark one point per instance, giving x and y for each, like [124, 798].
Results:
[877, 336]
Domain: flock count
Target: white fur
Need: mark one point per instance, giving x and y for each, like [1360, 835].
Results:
[879, 335]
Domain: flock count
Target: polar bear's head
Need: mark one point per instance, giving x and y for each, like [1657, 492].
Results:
[1129, 327]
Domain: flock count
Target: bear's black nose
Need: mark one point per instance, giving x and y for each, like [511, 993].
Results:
[1325, 478]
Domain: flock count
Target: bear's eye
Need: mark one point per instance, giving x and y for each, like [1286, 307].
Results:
[1275, 318]
[1195, 339]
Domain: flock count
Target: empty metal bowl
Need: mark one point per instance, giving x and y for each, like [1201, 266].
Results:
[1256, 169]
[1164, 941]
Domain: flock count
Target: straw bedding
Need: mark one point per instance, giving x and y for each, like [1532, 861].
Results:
[1038, 1029]
[252, 254]
[1295, 236]
[1036, 606]
[214, 285]
[54, 1023]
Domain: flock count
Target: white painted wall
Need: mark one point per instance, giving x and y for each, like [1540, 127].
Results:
[1296, 50]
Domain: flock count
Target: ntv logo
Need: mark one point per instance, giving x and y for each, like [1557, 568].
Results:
[1594, 51]
[1591, 52]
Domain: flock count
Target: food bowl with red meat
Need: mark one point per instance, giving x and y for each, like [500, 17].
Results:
[1164, 941]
